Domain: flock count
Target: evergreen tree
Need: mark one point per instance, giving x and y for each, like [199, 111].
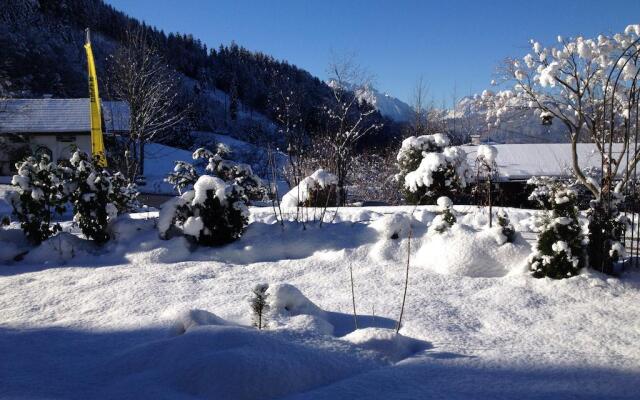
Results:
[561, 243]
[429, 169]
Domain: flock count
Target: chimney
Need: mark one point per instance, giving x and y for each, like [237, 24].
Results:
[47, 96]
[475, 140]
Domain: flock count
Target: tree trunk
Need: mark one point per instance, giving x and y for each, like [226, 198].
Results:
[141, 159]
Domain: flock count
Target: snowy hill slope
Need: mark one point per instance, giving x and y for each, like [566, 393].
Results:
[160, 159]
[146, 318]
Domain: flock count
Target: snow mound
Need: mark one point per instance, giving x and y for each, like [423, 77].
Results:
[477, 253]
[8, 251]
[391, 345]
[170, 251]
[392, 226]
[290, 309]
[286, 300]
[126, 229]
[59, 249]
[306, 323]
[193, 318]
[230, 362]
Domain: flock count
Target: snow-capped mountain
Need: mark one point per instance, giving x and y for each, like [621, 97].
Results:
[389, 106]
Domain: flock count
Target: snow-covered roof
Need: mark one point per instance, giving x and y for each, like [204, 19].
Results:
[58, 115]
[522, 161]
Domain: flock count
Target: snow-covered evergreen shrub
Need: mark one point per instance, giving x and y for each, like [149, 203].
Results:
[5, 220]
[213, 213]
[606, 231]
[125, 194]
[560, 246]
[259, 305]
[445, 219]
[429, 168]
[38, 198]
[316, 190]
[185, 174]
[96, 196]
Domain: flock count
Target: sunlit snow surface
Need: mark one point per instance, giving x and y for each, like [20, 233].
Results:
[146, 318]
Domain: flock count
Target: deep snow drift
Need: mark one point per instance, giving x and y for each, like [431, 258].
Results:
[147, 318]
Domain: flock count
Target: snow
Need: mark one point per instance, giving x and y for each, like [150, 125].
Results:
[207, 183]
[192, 226]
[142, 317]
[392, 226]
[393, 346]
[194, 318]
[444, 202]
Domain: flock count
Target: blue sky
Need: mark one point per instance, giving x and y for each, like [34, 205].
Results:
[453, 44]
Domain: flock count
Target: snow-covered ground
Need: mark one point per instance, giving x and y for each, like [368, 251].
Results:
[146, 318]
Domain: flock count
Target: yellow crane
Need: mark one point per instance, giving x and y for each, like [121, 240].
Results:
[97, 142]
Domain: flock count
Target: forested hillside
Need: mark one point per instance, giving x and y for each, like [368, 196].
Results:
[42, 53]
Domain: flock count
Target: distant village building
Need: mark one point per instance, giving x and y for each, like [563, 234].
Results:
[52, 126]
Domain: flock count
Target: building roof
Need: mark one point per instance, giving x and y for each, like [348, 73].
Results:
[522, 161]
[59, 116]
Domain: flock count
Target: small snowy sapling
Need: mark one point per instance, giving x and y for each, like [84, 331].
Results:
[506, 227]
[259, 305]
[445, 220]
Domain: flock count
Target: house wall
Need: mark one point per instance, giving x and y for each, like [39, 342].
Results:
[59, 149]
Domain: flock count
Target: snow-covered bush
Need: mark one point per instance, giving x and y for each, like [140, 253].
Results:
[259, 305]
[445, 219]
[185, 174]
[45, 189]
[429, 168]
[213, 213]
[316, 190]
[97, 197]
[560, 246]
[606, 230]
[125, 194]
[38, 198]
